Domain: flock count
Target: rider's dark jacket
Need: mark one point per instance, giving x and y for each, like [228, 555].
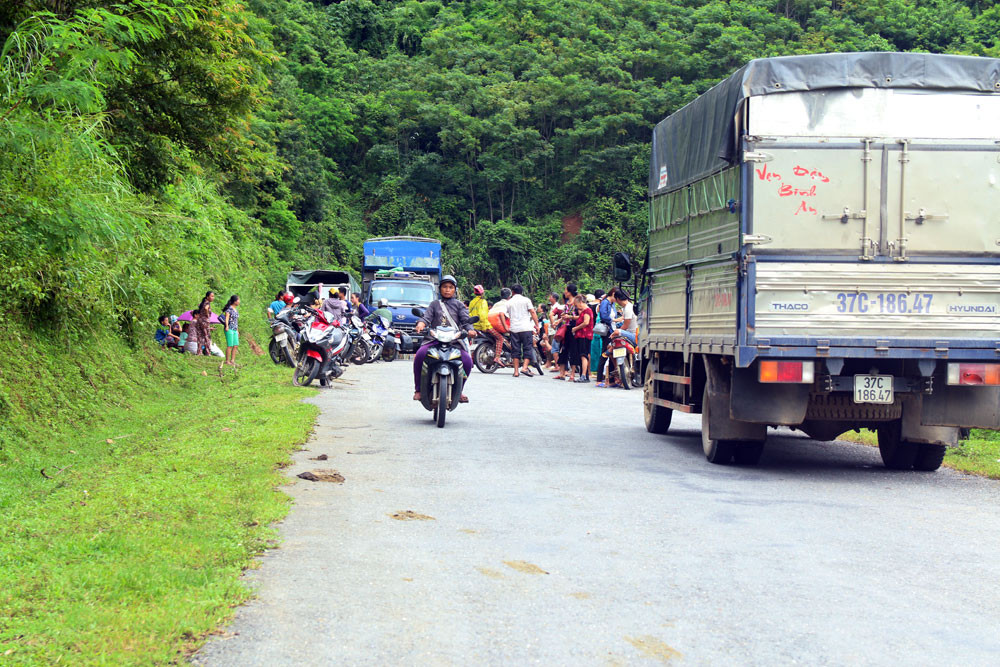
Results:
[434, 315]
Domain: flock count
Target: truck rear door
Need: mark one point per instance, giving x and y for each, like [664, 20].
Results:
[875, 217]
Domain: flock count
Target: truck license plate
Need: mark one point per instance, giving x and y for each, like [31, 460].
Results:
[873, 389]
[619, 352]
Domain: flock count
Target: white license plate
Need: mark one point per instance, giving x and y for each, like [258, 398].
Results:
[281, 337]
[873, 389]
[619, 352]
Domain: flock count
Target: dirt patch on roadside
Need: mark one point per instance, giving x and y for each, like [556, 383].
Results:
[491, 573]
[524, 566]
[322, 476]
[410, 515]
[651, 647]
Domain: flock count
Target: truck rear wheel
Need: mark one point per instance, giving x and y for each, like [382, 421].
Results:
[929, 457]
[897, 454]
[716, 451]
[657, 417]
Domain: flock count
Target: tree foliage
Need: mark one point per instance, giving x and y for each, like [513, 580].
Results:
[150, 148]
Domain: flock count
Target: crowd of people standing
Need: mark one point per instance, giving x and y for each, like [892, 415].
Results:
[569, 335]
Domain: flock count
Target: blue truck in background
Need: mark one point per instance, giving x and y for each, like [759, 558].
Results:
[405, 270]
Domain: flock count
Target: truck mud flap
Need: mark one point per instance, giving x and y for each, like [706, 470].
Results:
[914, 431]
[722, 426]
[970, 407]
[766, 404]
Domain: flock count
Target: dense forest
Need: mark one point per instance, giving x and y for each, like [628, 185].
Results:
[153, 149]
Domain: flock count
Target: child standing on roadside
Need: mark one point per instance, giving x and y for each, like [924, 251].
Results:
[230, 323]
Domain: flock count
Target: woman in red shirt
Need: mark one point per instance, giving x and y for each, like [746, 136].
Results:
[583, 333]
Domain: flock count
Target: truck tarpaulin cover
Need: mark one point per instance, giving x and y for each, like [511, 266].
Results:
[702, 137]
[323, 276]
[409, 253]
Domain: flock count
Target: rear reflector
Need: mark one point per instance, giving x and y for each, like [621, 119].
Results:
[974, 374]
[800, 372]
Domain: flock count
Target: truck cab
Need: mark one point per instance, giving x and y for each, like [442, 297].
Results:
[404, 270]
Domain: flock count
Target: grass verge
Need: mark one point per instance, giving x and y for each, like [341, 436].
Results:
[979, 455]
[160, 484]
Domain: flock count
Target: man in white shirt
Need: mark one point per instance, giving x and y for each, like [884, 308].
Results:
[523, 325]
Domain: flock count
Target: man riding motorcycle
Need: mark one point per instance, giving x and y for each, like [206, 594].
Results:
[382, 311]
[435, 316]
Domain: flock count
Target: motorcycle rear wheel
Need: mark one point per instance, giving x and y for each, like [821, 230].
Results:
[274, 351]
[486, 357]
[389, 353]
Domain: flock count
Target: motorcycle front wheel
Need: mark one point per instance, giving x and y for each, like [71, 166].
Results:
[441, 405]
[361, 352]
[634, 373]
[305, 371]
[289, 356]
[375, 352]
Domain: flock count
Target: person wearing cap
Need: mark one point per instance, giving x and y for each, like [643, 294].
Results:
[382, 311]
[442, 312]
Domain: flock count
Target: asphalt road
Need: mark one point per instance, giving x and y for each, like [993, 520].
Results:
[559, 532]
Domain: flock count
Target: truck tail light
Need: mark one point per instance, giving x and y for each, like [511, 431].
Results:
[800, 372]
[974, 374]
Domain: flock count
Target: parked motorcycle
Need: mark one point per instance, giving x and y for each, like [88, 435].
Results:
[285, 328]
[320, 350]
[442, 376]
[621, 362]
[360, 341]
[485, 356]
[384, 342]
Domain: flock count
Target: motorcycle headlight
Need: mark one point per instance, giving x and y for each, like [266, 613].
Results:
[445, 336]
[433, 353]
[453, 354]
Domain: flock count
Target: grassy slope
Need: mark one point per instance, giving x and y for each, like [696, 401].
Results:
[980, 454]
[164, 486]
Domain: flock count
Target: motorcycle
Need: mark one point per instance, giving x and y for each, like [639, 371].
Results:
[285, 332]
[384, 340]
[485, 356]
[442, 376]
[320, 349]
[621, 362]
[360, 341]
